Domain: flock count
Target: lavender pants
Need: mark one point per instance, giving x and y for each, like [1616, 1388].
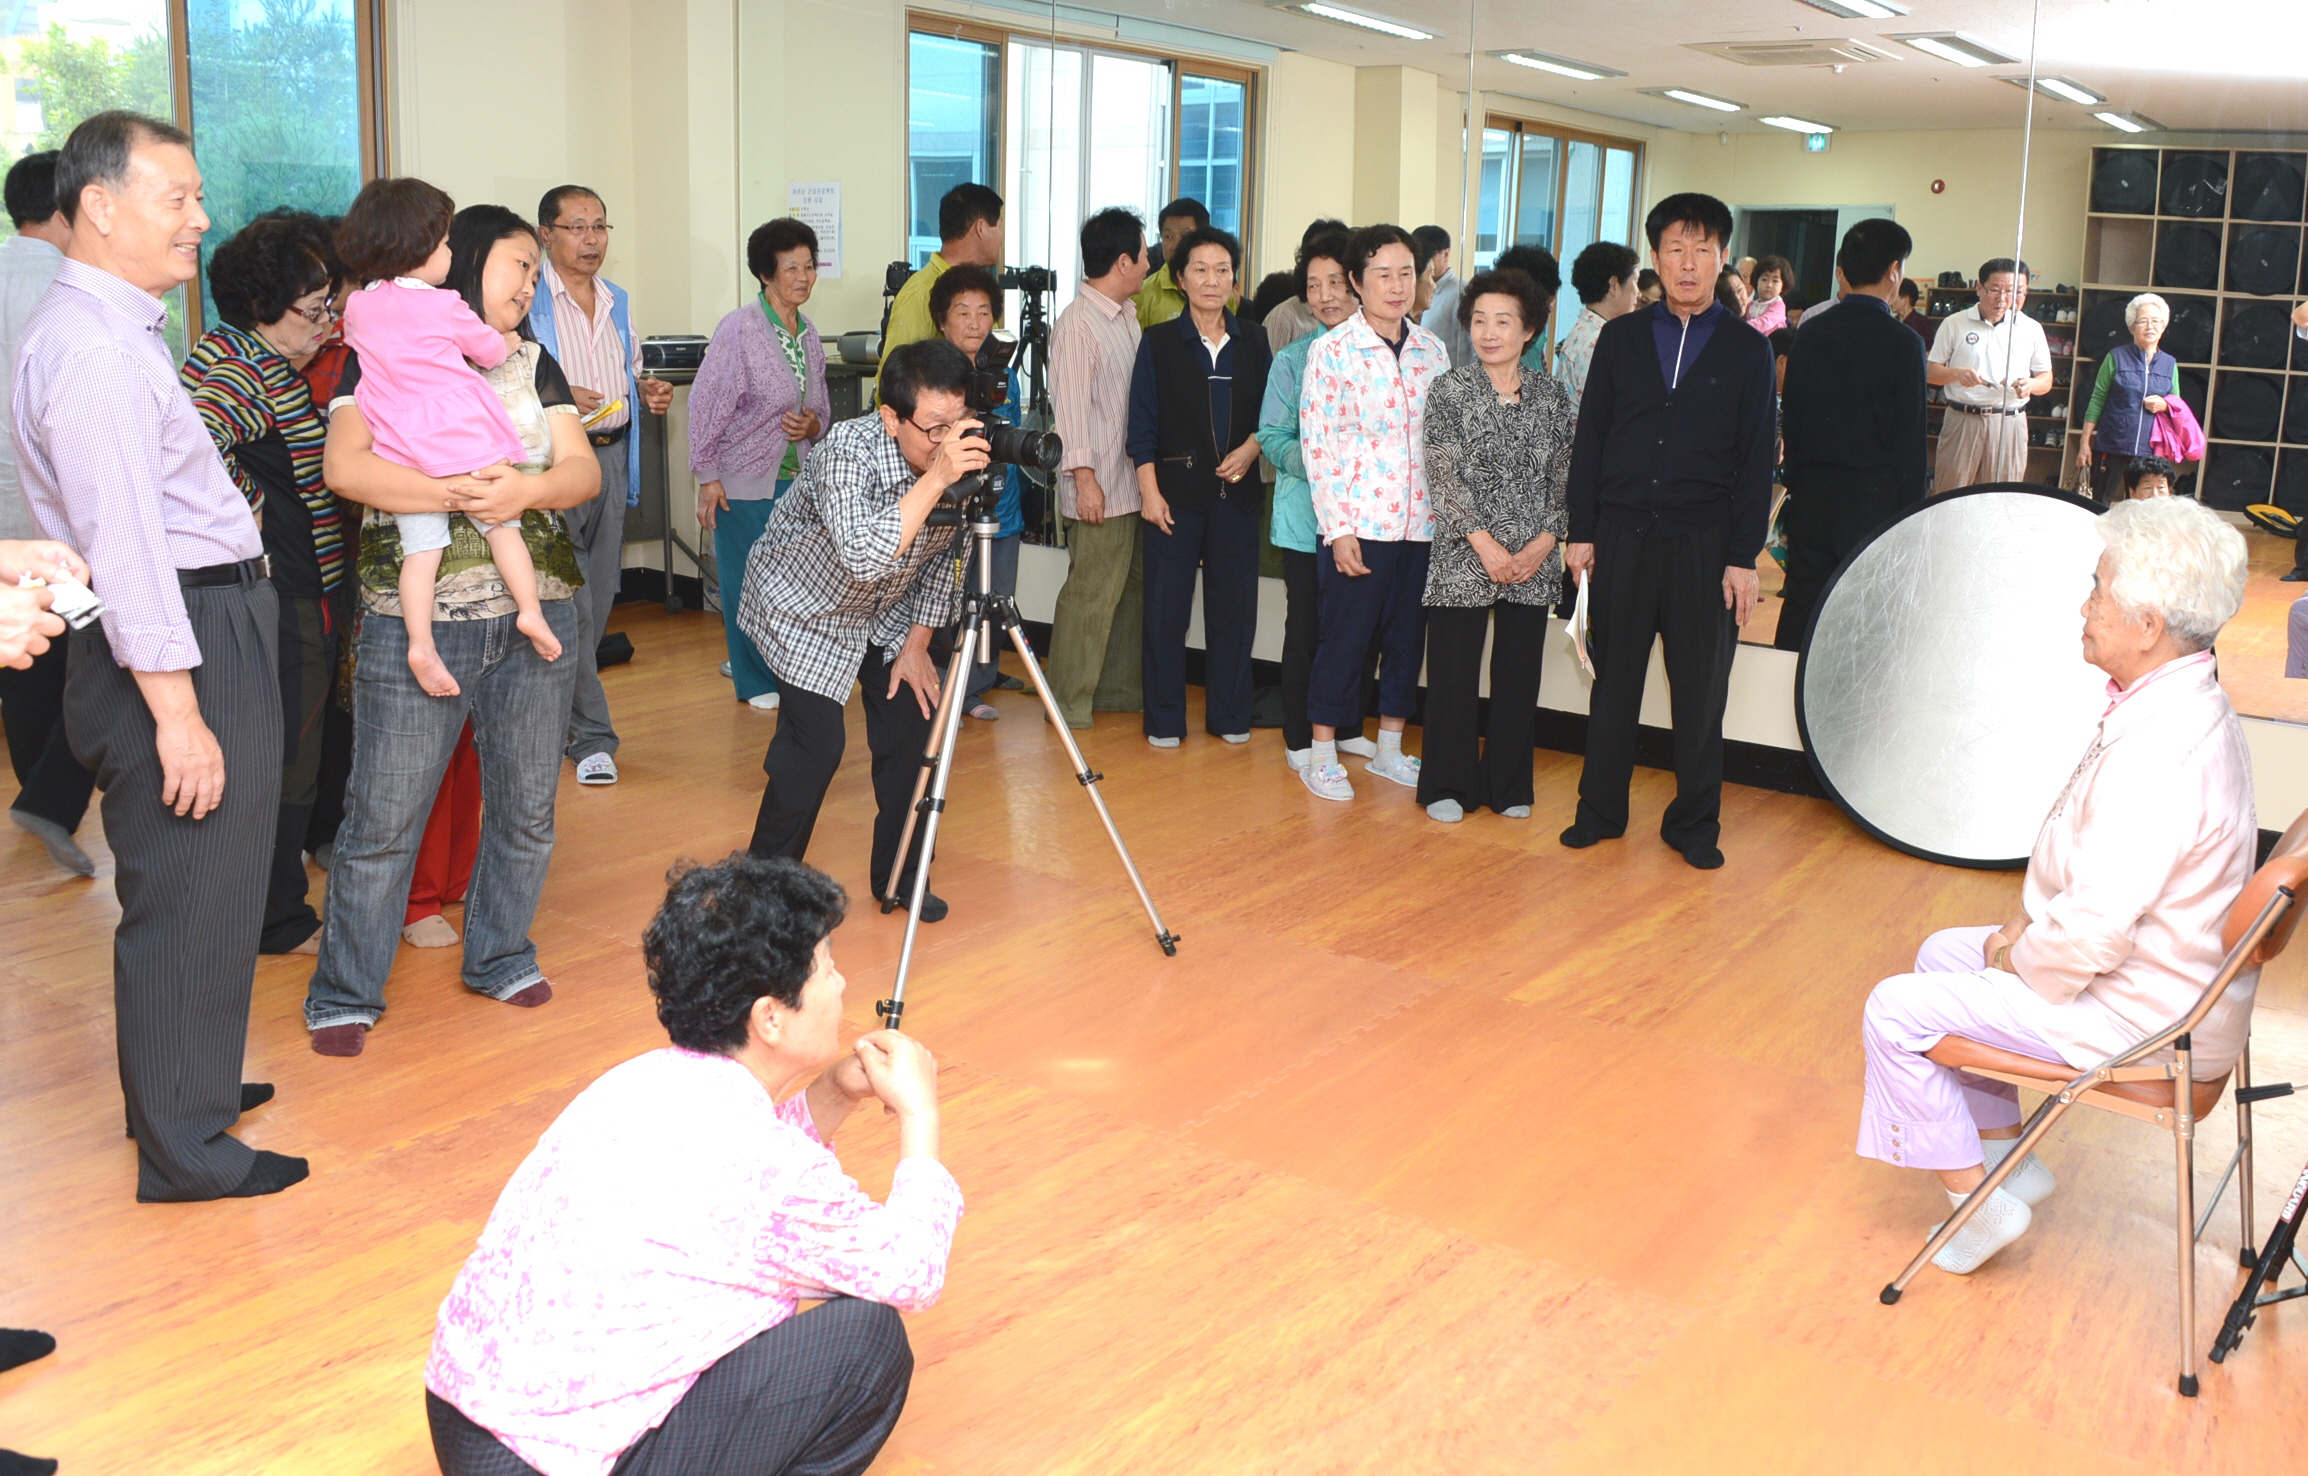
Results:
[1918, 1113]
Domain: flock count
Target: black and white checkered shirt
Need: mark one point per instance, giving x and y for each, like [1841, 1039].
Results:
[826, 578]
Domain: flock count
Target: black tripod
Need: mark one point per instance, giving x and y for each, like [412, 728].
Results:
[2281, 1241]
[983, 611]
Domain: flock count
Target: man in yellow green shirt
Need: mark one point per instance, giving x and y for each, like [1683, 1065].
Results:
[970, 234]
[1161, 299]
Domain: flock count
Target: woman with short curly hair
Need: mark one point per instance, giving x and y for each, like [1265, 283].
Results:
[632, 1301]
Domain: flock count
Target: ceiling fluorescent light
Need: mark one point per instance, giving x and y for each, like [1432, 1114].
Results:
[1561, 66]
[1958, 48]
[1699, 99]
[1367, 22]
[1798, 125]
[1859, 9]
[2061, 88]
[2130, 122]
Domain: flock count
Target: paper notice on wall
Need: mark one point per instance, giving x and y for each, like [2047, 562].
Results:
[817, 204]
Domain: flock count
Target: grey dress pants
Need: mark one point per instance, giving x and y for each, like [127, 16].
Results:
[597, 532]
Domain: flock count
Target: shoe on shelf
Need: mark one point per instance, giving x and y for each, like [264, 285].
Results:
[762, 701]
[1327, 781]
[435, 931]
[1358, 747]
[1448, 811]
[1394, 764]
[1298, 759]
[597, 768]
[1235, 737]
[1161, 742]
[1996, 1224]
[61, 847]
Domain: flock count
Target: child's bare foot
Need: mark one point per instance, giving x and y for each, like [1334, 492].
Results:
[425, 661]
[540, 635]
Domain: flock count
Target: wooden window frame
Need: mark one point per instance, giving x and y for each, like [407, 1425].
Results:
[1509, 123]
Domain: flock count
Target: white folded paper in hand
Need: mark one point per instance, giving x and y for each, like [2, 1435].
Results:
[1579, 628]
[67, 598]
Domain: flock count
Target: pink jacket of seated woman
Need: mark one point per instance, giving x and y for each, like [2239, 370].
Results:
[423, 402]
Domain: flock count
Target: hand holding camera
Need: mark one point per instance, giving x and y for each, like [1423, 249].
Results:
[962, 453]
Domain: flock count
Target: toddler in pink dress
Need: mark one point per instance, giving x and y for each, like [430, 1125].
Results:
[426, 406]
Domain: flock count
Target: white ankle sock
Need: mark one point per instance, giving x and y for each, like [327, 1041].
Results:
[1325, 752]
[1389, 741]
[2031, 1182]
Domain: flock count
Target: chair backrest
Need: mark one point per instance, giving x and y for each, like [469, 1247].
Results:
[2285, 868]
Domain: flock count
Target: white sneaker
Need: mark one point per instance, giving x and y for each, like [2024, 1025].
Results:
[1448, 811]
[1358, 747]
[1395, 765]
[1996, 1224]
[1235, 737]
[1162, 742]
[1298, 759]
[763, 701]
[597, 768]
[1328, 781]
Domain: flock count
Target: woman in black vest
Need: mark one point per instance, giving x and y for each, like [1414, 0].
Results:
[1194, 399]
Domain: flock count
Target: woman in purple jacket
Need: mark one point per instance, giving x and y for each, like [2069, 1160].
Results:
[758, 406]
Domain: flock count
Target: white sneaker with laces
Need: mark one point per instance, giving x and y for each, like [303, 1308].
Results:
[1328, 781]
[1358, 747]
[1396, 765]
[597, 768]
[763, 701]
[1298, 759]
[1999, 1222]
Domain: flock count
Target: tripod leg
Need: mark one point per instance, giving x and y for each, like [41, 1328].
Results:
[2271, 1266]
[949, 695]
[1007, 610]
[929, 809]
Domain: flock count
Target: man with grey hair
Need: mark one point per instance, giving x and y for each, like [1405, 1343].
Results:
[2120, 918]
[174, 699]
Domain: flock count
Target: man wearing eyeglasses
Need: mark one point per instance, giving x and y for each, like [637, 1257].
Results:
[846, 585]
[585, 322]
[1988, 360]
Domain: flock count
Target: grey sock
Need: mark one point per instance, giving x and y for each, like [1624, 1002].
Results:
[61, 848]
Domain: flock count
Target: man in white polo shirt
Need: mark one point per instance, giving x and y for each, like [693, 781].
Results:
[1990, 359]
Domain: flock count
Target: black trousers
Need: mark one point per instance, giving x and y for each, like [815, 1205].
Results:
[807, 749]
[1648, 584]
[191, 891]
[336, 724]
[1830, 512]
[816, 1395]
[1383, 608]
[1220, 542]
[1463, 758]
[308, 658]
[51, 783]
[1301, 630]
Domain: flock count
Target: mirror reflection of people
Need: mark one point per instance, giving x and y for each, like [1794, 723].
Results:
[759, 404]
[2133, 873]
[1440, 314]
[1604, 277]
[1854, 421]
[1194, 397]
[1732, 291]
[1670, 492]
[845, 587]
[2136, 383]
[969, 234]
[962, 305]
[1988, 361]
[1498, 452]
[1773, 278]
[633, 1302]
[1909, 309]
[1649, 285]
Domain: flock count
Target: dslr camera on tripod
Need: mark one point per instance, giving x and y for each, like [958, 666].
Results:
[1006, 445]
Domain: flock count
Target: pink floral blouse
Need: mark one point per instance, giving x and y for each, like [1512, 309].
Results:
[672, 1212]
[1361, 422]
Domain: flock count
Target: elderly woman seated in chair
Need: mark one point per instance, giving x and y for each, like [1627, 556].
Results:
[2132, 877]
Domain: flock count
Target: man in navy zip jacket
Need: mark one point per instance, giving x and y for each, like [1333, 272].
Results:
[1670, 490]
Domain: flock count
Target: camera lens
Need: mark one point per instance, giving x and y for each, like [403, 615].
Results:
[1022, 447]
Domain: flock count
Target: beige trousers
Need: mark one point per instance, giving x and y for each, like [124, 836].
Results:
[1979, 448]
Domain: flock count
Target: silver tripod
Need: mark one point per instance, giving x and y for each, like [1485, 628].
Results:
[983, 611]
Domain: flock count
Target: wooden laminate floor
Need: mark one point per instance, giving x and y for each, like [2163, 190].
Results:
[1436, 1149]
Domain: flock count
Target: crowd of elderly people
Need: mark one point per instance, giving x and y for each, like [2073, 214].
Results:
[633, 1304]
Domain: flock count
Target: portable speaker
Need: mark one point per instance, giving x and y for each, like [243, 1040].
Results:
[2124, 182]
[2264, 261]
[2188, 256]
[2269, 186]
[2247, 407]
[2196, 185]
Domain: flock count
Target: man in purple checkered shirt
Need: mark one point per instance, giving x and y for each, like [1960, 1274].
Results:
[174, 699]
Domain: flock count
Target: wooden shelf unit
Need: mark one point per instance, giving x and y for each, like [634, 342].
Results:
[2120, 262]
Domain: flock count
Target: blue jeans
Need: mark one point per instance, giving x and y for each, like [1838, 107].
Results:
[982, 673]
[736, 528]
[402, 740]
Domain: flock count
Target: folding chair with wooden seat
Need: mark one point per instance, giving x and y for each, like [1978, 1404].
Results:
[2257, 928]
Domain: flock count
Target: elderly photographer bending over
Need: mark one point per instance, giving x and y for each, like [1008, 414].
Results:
[2132, 877]
[847, 585]
[631, 1305]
